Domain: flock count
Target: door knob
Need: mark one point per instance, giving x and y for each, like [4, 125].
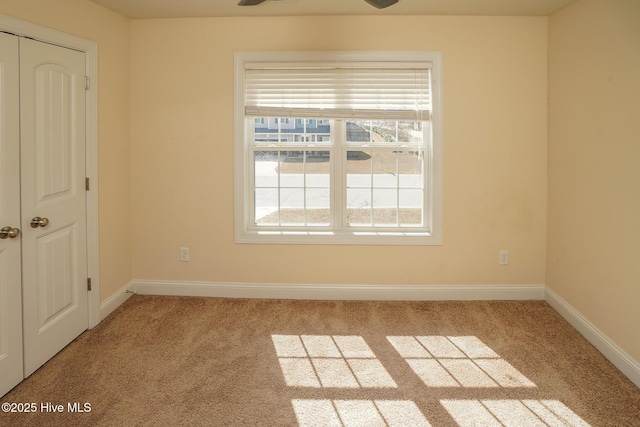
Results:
[9, 232]
[36, 222]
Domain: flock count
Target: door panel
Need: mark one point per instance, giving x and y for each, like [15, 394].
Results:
[53, 173]
[54, 130]
[54, 276]
[10, 274]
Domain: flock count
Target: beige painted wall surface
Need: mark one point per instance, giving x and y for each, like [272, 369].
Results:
[112, 32]
[495, 167]
[594, 169]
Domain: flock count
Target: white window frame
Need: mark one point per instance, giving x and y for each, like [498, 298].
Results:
[246, 233]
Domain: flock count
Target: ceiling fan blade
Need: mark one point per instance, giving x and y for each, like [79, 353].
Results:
[251, 2]
[381, 4]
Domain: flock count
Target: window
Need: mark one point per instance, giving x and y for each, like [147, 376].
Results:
[338, 148]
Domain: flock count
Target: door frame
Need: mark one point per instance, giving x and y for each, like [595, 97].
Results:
[37, 32]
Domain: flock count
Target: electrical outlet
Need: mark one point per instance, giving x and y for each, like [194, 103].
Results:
[184, 254]
[504, 257]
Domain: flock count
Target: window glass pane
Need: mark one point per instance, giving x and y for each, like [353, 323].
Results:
[372, 131]
[358, 169]
[318, 169]
[359, 131]
[318, 131]
[292, 206]
[410, 167]
[320, 157]
[292, 169]
[385, 131]
[318, 182]
[265, 168]
[385, 168]
[287, 138]
[285, 130]
[410, 207]
[264, 137]
[318, 202]
[266, 206]
[410, 132]
[385, 202]
[358, 206]
[290, 129]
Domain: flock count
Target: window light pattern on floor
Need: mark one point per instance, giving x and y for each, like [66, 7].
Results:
[348, 413]
[447, 361]
[510, 412]
[322, 361]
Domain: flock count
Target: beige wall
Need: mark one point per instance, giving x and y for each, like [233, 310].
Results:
[495, 150]
[594, 164]
[112, 32]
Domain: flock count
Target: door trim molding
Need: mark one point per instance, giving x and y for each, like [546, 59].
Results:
[90, 48]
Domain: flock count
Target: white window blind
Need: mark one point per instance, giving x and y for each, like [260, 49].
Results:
[383, 91]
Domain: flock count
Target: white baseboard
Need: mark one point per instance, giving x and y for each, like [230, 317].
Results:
[339, 292]
[114, 301]
[621, 360]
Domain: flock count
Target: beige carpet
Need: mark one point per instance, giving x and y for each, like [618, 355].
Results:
[229, 362]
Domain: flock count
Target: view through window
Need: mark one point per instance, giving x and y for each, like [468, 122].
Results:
[381, 167]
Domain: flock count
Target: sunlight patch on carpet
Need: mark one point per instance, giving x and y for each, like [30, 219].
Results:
[352, 413]
[347, 362]
[339, 361]
[464, 361]
[511, 412]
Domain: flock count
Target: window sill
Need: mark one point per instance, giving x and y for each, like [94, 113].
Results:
[385, 238]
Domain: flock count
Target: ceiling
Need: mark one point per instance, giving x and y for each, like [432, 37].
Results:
[142, 9]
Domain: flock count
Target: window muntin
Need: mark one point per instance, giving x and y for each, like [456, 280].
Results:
[382, 167]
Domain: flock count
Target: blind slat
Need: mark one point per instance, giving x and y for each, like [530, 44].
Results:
[339, 113]
[307, 92]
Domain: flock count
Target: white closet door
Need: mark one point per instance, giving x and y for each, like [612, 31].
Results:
[54, 255]
[10, 275]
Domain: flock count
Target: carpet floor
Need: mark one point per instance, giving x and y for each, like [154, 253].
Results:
[172, 361]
